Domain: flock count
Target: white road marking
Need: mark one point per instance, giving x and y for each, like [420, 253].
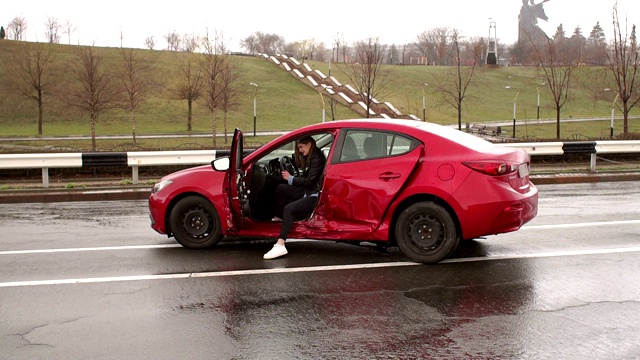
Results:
[600, 223]
[105, 248]
[145, 247]
[307, 269]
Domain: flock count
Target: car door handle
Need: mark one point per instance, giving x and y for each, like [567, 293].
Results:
[388, 176]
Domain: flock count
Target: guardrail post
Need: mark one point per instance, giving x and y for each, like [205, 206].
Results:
[45, 178]
[134, 174]
[592, 164]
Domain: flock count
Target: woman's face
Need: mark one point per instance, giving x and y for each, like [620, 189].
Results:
[304, 148]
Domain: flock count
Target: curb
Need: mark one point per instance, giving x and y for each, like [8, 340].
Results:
[65, 195]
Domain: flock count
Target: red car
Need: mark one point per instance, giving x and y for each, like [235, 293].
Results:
[419, 186]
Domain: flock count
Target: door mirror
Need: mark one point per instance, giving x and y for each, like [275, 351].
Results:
[220, 164]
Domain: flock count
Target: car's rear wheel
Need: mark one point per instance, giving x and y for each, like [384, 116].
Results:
[426, 233]
[195, 223]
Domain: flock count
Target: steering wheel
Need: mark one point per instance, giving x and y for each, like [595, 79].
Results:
[287, 164]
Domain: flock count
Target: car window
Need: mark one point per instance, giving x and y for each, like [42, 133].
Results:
[364, 145]
[323, 141]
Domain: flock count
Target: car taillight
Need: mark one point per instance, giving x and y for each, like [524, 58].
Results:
[492, 168]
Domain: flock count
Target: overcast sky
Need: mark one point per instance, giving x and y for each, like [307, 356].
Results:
[396, 22]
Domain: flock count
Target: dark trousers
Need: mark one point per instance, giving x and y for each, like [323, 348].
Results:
[291, 205]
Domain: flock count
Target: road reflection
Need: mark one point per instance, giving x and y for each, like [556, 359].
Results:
[398, 312]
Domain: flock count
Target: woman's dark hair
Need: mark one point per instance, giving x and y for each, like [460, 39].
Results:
[302, 160]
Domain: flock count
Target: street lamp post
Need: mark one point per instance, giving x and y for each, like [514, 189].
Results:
[514, 110]
[255, 112]
[613, 110]
[424, 104]
[538, 112]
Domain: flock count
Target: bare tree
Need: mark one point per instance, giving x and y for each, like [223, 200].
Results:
[263, 43]
[434, 45]
[191, 43]
[36, 80]
[250, 44]
[136, 86]
[149, 43]
[557, 65]
[453, 85]
[367, 72]
[68, 29]
[623, 64]
[338, 41]
[220, 75]
[95, 92]
[173, 41]
[189, 84]
[229, 81]
[17, 28]
[52, 32]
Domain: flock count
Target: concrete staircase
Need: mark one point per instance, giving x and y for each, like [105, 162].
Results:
[342, 93]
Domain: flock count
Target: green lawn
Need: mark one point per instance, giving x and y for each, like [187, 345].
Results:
[286, 103]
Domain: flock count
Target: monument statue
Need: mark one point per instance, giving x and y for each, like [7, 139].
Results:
[530, 12]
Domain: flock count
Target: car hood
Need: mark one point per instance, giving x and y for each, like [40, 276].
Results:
[191, 171]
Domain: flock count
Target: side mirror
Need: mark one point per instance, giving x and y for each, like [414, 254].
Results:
[220, 164]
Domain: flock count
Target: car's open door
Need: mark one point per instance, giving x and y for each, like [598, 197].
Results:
[237, 191]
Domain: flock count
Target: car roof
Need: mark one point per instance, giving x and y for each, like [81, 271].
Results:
[410, 127]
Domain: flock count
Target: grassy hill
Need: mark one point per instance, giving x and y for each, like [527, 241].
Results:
[286, 103]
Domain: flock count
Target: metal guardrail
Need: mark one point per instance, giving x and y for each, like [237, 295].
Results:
[579, 147]
[136, 159]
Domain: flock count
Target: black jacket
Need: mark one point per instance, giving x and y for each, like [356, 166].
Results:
[311, 178]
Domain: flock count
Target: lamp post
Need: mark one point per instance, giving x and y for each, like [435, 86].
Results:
[255, 113]
[424, 104]
[613, 110]
[538, 112]
[514, 110]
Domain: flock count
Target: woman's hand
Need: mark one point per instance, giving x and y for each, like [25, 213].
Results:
[285, 175]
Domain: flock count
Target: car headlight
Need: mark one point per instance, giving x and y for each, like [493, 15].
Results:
[160, 185]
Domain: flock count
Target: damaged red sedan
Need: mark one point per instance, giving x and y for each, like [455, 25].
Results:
[419, 186]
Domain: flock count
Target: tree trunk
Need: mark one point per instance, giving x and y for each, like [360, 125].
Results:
[133, 126]
[626, 118]
[213, 128]
[190, 107]
[39, 116]
[558, 123]
[93, 132]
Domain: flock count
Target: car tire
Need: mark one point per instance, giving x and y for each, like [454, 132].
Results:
[195, 223]
[426, 233]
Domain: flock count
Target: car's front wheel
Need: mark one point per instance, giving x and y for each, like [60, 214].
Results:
[195, 223]
[426, 233]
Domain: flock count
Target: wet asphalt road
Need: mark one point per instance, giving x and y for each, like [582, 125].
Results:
[91, 280]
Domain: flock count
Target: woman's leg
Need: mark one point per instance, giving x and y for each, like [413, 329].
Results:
[285, 194]
[292, 212]
[295, 211]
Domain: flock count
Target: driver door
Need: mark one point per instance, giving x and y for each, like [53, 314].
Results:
[235, 181]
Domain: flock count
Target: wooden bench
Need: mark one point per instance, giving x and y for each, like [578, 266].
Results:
[475, 128]
[484, 129]
[493, 130]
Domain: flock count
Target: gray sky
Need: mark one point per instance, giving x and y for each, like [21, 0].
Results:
[394, 22]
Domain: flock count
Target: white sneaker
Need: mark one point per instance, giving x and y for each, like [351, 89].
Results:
[276, 251]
